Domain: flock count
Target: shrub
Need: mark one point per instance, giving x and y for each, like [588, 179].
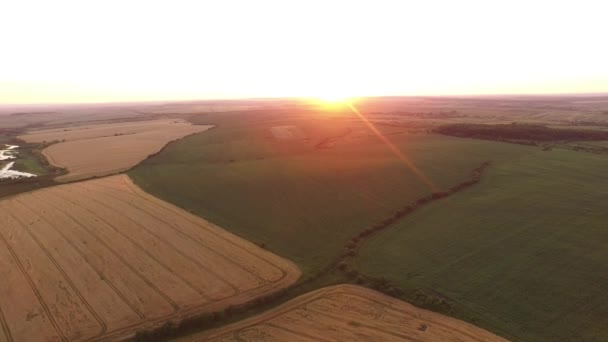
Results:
[438, 195]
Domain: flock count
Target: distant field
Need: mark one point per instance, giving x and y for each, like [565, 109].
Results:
[101, 259]
[302, 200]
[97, 150]
[525, 252]
[18, 117]
[347, 313]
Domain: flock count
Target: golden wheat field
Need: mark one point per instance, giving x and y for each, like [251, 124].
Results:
[100, 259]
[347, 313]
[97, 150]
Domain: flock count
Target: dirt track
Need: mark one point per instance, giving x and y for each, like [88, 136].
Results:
[97, 150]
[347, 313]
[100, 259]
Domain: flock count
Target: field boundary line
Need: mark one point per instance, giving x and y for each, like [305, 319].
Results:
[5, 328]
[179, 315]
[264, 281]
[88, 261]
[173, 247]
[185, 281]
[353, 246]
[175, 306]
[331, 293]
[137, 192]
[187, 216]
[169, 224]
[33, 286]
[103, 325]
[252, 321]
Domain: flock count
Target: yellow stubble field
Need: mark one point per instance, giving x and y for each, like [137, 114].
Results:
[103, 149]
[347, 313]
[101, 259]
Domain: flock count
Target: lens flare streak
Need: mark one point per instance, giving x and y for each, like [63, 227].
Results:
[394, 148]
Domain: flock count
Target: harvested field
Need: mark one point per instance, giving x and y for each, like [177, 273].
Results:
[100, 259]
[97, 150]
[347, 313]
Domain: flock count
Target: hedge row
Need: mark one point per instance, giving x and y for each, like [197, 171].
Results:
[353, 245]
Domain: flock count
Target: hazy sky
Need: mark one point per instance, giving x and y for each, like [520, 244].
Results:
[82, 51]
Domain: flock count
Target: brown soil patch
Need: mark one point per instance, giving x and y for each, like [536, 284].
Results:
[97, 150]
[347, 313]
[100, 259]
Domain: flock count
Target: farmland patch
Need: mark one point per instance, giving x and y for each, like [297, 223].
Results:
[97, 150]
[522, 252]
[347, 313]
[101, 259]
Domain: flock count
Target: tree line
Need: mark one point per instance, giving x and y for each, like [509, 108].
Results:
[517, 132]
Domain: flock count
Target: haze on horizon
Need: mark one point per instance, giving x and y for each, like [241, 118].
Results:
[110, 51]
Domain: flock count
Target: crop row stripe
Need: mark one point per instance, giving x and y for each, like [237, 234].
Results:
[45, 307]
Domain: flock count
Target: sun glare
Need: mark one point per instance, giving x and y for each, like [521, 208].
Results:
[334, 98]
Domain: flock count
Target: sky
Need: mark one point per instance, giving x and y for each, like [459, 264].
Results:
[109, 51]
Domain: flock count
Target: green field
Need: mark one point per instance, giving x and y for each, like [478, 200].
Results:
[525, 252]
[300, 202]
[28, 162]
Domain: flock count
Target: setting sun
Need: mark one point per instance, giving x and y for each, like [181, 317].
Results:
[334, 98]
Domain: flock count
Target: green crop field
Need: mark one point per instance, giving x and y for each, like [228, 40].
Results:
[300, 202]
[523, 253]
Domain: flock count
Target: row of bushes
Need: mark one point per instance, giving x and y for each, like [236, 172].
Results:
[204, 320]
[162, 149]
[419, 297]
[352, 246]
[37, 152]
